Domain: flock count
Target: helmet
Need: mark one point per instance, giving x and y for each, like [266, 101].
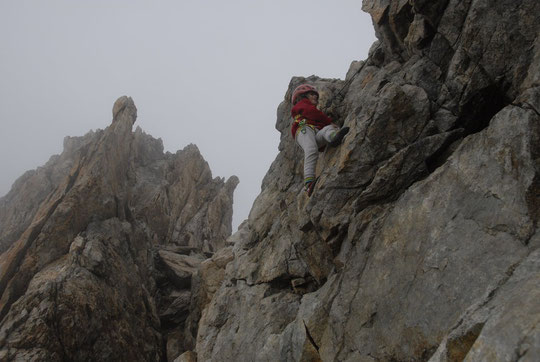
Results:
[301, 89]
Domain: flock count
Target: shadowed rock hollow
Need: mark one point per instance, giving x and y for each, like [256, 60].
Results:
[419, 243]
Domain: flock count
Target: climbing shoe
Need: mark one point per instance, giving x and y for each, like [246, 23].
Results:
[309, 185]
[336, 141]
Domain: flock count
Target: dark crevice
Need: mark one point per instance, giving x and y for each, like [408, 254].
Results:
[278, 285]
[310, 338]
[440, 157]
[380, 200]
[168, 323]
[404, 18]
[475, 115]
[532, 198]
[479, 109]
[369, 323]
[118, 208]
[382, 84]
[431, 31]
[163, 348]
[167, 276]
[433, 11]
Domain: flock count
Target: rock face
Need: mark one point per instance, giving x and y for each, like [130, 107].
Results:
[100, 245]
[421, 239]
[420, 242]
[20, 205]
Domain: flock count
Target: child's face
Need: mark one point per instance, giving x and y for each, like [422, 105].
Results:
[313, 97]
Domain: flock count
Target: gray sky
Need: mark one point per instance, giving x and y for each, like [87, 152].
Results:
[208, 72]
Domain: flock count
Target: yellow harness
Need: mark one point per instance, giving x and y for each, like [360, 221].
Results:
[302, 124]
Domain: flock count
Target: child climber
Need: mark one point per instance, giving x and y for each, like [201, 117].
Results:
[312, 130]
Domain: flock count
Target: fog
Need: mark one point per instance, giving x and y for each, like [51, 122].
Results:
[210, 73]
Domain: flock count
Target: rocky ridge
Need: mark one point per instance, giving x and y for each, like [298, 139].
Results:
[421, 239]
[420, 242]
[100, 245]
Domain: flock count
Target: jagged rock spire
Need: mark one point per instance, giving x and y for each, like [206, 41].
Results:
[80, 262]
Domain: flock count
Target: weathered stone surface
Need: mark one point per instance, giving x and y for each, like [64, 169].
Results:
[199, 217]
[503, 326]
[79, 278]
[19, 206]
[94, 293]
[420, 240]
[205, 283]
[261, 309]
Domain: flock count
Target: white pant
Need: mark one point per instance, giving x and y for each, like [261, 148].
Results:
[310, 141]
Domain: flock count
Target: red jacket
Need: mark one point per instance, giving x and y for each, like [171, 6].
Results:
[310, 113]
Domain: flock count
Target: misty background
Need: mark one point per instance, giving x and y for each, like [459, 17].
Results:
[208, 72]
